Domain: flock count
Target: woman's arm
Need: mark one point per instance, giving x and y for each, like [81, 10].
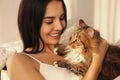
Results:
[96, 65]
[20, 67]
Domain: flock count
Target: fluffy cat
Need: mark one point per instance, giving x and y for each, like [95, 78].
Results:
[78, 53]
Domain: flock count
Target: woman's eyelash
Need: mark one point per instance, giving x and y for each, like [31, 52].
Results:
[49, 22]
[62, 18]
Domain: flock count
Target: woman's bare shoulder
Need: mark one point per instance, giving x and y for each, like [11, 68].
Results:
[18, 60]
[20, 65]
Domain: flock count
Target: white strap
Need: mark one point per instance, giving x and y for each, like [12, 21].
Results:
[33, 58]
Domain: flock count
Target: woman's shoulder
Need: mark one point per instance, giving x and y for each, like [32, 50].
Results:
[18, 60]
[20, 65]
[18, 57]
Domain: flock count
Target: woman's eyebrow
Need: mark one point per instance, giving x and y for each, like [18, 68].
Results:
[49, 17]
[52, 17]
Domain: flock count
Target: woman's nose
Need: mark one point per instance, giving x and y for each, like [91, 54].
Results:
[59, 25]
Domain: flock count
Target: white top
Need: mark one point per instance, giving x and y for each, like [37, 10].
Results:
[50, 72]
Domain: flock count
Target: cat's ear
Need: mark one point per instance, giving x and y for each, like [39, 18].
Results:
[90, 32]
[81, 23]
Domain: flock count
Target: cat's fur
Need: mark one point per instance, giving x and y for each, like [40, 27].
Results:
[78, 53]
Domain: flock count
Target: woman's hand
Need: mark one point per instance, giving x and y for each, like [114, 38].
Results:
[97, 60]
[101, 51]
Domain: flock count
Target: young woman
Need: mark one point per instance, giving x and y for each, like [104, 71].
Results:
[41, 22]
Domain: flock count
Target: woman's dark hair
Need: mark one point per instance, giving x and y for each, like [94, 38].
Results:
[30, 16]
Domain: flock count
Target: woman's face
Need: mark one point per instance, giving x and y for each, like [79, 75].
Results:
[53, 23]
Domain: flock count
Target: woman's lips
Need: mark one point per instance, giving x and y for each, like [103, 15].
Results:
[55, 35]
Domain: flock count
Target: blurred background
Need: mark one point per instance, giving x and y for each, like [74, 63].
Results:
[103, 15]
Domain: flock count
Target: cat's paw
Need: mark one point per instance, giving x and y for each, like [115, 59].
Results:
[55, 64]
[60, 64]
[78, 70]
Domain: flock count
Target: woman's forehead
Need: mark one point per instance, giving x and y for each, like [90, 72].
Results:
[54, 8]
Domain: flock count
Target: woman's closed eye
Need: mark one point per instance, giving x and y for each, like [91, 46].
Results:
[62, 17]
[49, 22]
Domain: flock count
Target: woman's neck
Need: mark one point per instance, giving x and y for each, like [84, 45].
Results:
[49, 48]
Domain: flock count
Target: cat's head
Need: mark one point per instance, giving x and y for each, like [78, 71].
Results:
[86, 36]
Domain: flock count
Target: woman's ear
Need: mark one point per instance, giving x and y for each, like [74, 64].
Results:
[90, 32]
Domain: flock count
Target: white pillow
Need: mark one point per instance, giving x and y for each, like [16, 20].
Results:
[7, 49]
